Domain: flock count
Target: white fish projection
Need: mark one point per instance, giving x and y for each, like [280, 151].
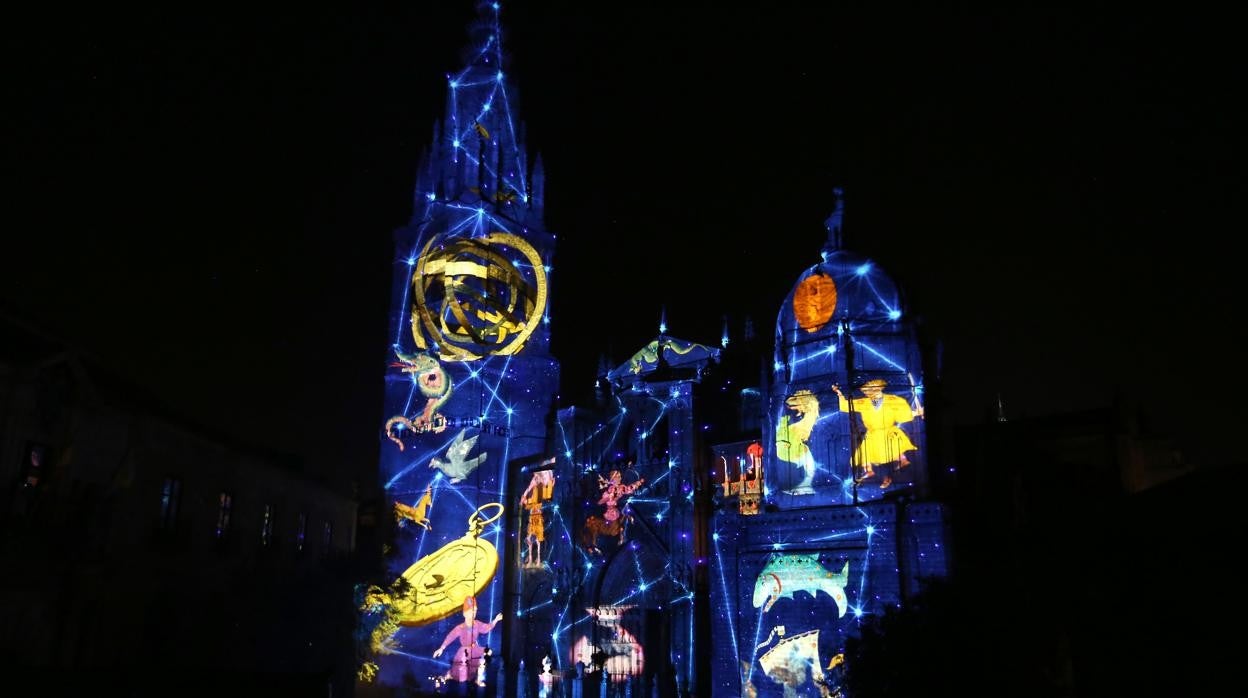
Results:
[459, 465]
[785, 575]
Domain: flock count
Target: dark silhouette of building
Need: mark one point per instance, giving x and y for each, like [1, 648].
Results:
[1085, 551]
[149, 555]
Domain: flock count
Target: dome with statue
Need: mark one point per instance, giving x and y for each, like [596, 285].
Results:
[843, 290]
[846, 401]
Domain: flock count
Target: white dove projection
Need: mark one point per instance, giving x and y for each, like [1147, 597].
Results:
[458, 465]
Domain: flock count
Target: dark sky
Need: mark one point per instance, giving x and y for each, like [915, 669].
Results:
[205, 199]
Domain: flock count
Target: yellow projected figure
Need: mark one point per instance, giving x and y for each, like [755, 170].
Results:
[540, 489]
[793, 435]
[884, 441]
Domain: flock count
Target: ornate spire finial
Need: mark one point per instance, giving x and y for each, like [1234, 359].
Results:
[833, 223]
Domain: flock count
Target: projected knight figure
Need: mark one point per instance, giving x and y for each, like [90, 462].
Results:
[613, 520]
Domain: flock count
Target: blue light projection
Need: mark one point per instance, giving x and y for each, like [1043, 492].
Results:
[840, 532]
[613, 535]
[619, 577]
[847, 390]
[469, 385]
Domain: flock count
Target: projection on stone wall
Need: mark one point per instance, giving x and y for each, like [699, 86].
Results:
[469, 387]
[786, 575]
[617, 651]
[613, 519]
[846, 399]
[738, 470]
[803, 605]
[882, 441]
[537, 496]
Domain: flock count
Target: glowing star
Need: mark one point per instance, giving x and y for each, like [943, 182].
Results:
[785, 575]
[439, 583]
[814, 301]
[459, 464]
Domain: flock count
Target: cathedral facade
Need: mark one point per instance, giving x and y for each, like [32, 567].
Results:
[685, 534]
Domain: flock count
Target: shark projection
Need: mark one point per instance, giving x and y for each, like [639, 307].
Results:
[458, 465]
[785, 575]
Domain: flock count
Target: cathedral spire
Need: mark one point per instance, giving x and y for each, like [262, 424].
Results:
[479, 155]
[537, 194]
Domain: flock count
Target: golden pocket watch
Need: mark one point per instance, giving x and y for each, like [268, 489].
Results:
[442, 580]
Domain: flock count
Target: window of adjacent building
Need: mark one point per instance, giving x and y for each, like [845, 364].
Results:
[225, 506]
[170, 493]
[34, 464]
[301, 530]
[327, 537]
[266, 526]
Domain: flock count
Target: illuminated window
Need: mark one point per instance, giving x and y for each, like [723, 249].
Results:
[225, 505]
[170, 493]
[266, 526]
[301, 530]
[327, 538]
[33, 464]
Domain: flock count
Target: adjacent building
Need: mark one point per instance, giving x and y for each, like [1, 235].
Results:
[143, 548]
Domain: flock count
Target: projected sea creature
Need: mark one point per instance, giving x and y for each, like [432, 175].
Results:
[648, 356]
[478, 296]
[437, 585]
[785, 575]
[458, 465]
[418, 514]
[792, 437]
[434, 384]
[794, 661]
[620, 653]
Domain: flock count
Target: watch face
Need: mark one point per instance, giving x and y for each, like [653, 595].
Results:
[814, 301]
[477, 297]
[442, 581]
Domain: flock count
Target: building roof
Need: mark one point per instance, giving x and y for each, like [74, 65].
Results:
[676, 353]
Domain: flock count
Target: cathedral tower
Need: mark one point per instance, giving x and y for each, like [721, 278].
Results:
[469, 380]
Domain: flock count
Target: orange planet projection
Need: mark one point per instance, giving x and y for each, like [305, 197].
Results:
[814, 301]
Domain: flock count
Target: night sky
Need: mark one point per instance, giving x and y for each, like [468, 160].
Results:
[205, 200]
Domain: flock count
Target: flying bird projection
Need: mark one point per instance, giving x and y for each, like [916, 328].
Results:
[458, 465]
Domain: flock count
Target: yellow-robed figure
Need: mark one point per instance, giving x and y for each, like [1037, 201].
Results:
[884, 441]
